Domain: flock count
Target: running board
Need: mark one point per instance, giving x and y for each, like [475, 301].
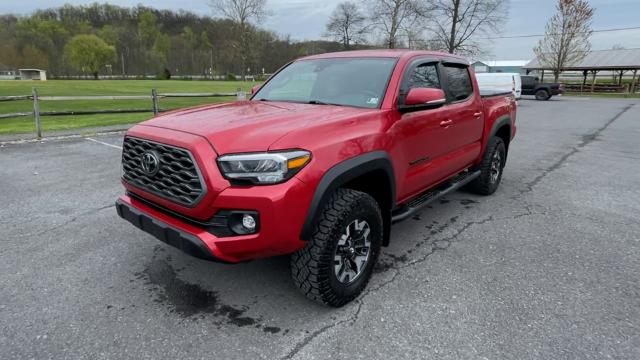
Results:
[424, 199]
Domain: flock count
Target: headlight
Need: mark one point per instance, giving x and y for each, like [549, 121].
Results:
[263, 168]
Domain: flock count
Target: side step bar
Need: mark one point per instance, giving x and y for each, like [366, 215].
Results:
[424, 199]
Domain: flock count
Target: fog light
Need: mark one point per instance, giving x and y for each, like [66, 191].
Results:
[238, 222]
[248, 222]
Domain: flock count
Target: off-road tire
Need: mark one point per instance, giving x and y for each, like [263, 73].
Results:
[542, 95]
[485, 184]
[312, 267]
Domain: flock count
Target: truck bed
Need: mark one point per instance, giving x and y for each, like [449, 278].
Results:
[491, 92]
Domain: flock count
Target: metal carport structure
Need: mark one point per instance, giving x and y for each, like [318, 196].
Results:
[615, 60]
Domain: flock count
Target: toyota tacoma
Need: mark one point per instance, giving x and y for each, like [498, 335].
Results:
[319, 163]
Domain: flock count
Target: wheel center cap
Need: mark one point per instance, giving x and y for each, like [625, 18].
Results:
[352, 250]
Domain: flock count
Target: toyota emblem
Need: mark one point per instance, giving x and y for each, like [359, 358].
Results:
[150, 163]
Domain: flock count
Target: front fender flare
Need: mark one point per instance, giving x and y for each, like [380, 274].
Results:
[341, 174]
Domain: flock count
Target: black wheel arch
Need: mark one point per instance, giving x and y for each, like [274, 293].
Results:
[502, 128]
[345, 173]
[546, 89]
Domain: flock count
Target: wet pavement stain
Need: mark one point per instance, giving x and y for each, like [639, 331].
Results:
[271, 329]
[388, 261]
[189, 300]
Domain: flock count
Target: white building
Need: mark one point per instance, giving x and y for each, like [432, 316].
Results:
[33, 74]
[498, 66]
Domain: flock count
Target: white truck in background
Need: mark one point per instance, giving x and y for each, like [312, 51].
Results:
[501, 81]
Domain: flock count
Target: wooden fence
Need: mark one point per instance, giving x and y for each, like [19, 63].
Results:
[154, 97]
[598, 88]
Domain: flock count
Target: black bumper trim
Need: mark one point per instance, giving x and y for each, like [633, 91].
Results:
[166, 233]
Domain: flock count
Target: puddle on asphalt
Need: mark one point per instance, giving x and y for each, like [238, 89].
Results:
[191, 300]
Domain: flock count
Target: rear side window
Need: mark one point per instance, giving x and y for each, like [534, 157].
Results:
[424, 76]
[458, 81]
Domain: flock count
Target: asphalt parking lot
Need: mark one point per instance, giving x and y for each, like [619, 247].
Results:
[547, 268]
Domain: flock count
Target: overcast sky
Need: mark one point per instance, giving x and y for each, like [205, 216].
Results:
[305, 19]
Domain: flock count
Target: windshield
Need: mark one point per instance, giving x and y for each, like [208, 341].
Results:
[359, 82]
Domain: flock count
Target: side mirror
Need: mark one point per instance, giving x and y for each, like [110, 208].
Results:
[423, 98]
[255, 89]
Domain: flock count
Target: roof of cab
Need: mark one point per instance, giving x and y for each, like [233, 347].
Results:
[388, 53]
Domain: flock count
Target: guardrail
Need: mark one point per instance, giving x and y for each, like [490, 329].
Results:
[154, 97]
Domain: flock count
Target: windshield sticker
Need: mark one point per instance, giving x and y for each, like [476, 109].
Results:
[372, 101]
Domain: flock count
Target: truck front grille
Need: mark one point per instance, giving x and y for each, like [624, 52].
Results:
[176, 176]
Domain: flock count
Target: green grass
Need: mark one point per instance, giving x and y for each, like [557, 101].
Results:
[102, 87]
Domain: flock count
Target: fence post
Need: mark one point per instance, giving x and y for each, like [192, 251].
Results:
[36, 112]
[240, 95]
[154, 98]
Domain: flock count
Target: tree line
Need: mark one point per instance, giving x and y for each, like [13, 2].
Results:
[454, 26]
[112, 40]
[103, 38]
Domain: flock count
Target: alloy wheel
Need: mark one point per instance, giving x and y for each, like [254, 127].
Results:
[352, 252]
[496, 166]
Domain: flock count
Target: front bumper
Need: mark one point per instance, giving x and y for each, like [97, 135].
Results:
[164, 232]
[282, 209]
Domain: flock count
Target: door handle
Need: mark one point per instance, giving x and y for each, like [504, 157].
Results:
[477, 114]
[446, 123]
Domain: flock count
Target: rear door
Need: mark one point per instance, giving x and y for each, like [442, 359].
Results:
[464, 108]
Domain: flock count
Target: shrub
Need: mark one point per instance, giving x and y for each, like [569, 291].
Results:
[164, 74]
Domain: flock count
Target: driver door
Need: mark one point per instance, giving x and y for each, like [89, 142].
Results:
[422, 135]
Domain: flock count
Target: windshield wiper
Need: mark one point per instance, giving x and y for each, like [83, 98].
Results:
[318, 102]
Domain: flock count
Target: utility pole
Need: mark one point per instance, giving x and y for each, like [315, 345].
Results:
[122, 57]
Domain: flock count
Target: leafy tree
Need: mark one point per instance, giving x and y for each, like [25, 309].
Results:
[207, 46]
[190, 41]
[161, 48]
[108, 34]
[89, 52]
[9, 56]
[139, 35]
[148, 29]
[48, 36]
[34, 58]
[162, 45]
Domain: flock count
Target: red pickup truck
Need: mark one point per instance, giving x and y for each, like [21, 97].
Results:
[319, 163]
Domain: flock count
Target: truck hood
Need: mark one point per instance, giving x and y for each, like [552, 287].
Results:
[249, 125]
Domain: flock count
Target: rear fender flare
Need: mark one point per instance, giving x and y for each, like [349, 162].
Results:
[504, 120]
[500, 122]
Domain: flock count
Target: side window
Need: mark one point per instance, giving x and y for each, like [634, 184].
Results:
[458, 81]
[424, 76]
